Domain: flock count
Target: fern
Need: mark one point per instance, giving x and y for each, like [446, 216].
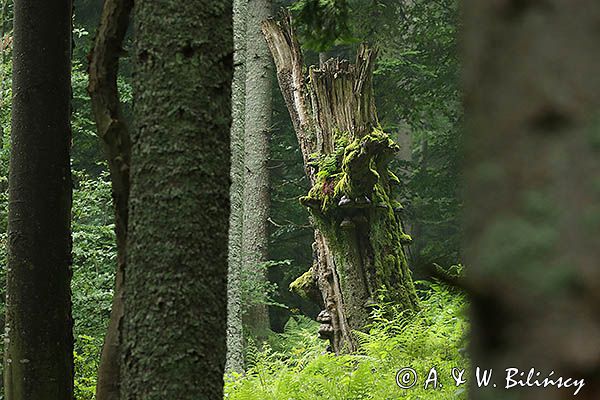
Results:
[294, 366]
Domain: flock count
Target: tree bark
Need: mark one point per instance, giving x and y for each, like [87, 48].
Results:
[258, 111]
[174, 337]
[235, 337]
[39, 352]
[358, 234]
[113, 132]
[532, 101]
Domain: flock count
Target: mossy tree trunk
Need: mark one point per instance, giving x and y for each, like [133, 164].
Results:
[258, 110]
[358, 235]
[235, 337]
[532, 205]
[38, 361]
[174, 327]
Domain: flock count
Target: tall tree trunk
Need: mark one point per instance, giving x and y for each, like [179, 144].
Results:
[113, 132]
[39, 353]
[235, 337]
[174, 327]
[532, 102]
[256, 148]
[358, 233]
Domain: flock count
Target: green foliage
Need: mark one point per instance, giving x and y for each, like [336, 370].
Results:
[298, 343]
[290, 232]
[258, 291]
[6, 16]
[322, 23]
[294, 365]
[86, 359]
[416, 82]
[5, 116]
[86, 151]
[94, 254]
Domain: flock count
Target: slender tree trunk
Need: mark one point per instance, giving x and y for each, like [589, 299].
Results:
[174, 337]
[256, 148]
[113, 132]
[38, 362]
[532, 102]
[235, 337]
[358, 234]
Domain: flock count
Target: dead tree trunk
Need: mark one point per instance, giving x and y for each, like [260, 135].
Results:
[358, 234]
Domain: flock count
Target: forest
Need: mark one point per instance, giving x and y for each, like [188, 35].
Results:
[300, 199]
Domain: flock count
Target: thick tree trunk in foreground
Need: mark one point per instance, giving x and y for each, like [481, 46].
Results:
[358, 233]
[176, 279]
[113, 131]
[258, 111]
[532, 203]
[39, 353]
[235, 337]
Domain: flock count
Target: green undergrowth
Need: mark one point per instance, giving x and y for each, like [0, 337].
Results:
[294, 365]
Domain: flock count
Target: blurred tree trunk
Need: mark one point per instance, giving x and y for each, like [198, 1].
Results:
[38, 361]
[358, 233]
[174, 327]
[258, 109]
[532, 100]
[235, 337]
[113, 132]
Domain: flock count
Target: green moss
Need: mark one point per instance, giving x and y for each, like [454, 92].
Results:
[353, 185]
[393, 178]
[352, 169]
[405, 239]
[302, 285]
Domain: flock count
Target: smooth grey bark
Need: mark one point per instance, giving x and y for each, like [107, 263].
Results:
[532, 196]
[235, 337]
[38, 363]
[258, 109]
[175, 322]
